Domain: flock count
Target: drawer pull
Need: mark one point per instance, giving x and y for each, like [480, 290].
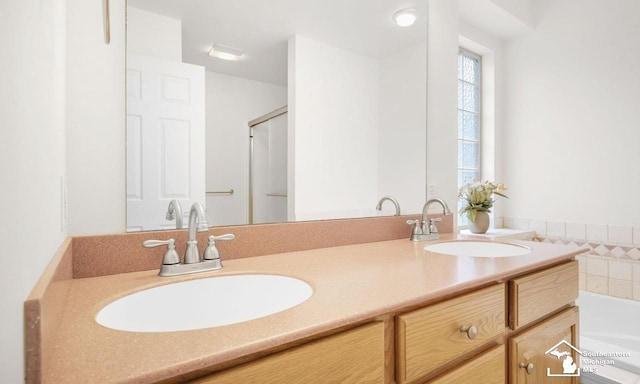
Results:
[528, 367]
[471, 331]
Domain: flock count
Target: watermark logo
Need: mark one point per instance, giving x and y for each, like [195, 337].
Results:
[562, 351]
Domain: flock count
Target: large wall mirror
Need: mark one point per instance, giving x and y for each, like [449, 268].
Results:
[270, 111]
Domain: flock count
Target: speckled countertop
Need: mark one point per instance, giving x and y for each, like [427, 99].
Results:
[351, 284]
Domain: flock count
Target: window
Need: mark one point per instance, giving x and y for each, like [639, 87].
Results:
[468, 120]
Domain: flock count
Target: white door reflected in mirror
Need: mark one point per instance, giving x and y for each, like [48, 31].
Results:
[165, 139]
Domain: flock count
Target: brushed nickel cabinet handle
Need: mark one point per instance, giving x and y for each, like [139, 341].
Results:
[471, 331]
[529, 367]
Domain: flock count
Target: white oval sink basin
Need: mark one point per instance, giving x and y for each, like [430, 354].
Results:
[204, 303]
[478, 249]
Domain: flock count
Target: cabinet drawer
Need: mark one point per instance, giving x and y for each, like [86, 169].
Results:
[355, 356]
[488, 368]
[536, 295]
[430, 337]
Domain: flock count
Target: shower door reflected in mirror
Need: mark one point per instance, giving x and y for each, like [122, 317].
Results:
[268, 172]
[354, 84]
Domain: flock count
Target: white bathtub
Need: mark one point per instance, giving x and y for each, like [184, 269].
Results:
[609, 324]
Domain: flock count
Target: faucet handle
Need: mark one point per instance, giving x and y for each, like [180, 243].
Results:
[228, 236]
[417, 229]
[170, 256]
[212, 253]
[432, 225]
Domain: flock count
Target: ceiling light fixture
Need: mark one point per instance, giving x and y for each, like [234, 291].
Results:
[225, 53]
[405, 17]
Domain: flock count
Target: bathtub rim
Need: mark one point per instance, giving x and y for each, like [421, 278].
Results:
[594, 344]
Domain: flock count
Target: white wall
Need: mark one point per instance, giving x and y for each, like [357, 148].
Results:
[571, 144]
[95, 118]
[402, 132]
[154, 35]
[523, 10]
[335, 97]
[231, 102]
[32, 122]
[442, 99]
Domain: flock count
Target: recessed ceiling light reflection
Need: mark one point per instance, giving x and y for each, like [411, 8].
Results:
[225, 53]
[405, 17]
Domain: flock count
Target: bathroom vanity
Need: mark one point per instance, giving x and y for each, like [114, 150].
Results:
[380, 312]
[459, 340]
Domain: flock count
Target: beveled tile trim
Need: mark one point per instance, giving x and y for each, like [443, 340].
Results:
[599, 249]
[611, 266]
[607, 269]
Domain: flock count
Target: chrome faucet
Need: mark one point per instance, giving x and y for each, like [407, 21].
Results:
[174, 212]
[391, 199]
[423, 231]
[197, 222]
[171, 265]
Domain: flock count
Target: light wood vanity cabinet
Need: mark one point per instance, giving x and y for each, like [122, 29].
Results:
[488, 368]
[433, 336]
[478, 337]
[533, 298]
[429, 340]
[354, 356]
[528, 357]
[537, 295]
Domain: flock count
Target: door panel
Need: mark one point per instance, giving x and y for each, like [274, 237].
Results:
[165, 139]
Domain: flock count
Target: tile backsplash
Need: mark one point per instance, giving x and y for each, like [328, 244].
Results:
[612, 264]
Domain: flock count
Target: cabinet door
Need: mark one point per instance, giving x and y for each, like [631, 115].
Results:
[488, 368]
[355, 356]
[545, 354]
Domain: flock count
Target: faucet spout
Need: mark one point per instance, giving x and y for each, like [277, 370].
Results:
[425, 208]
[197, 222]
[391, 199]
[174, 211]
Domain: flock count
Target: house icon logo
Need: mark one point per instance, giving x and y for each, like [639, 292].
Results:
[562, 351]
